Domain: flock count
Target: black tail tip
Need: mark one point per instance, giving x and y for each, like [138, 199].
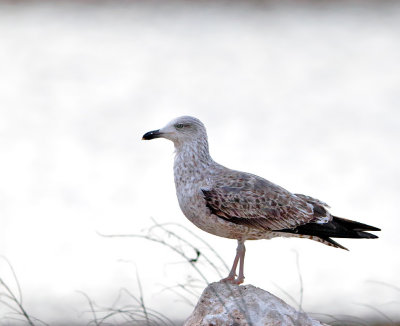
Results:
[366, 235]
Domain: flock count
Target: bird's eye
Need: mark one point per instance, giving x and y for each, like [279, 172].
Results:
[179, 126]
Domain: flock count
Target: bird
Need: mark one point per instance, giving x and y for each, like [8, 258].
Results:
[243, 206]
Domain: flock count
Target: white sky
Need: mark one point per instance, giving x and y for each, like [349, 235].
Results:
[305, 97]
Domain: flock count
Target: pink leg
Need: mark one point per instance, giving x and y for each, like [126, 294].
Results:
[232, 273]
[240, 252]
[240, 278]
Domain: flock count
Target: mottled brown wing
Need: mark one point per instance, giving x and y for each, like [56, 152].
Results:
[321, 214]
[250, 200]
[312, 200]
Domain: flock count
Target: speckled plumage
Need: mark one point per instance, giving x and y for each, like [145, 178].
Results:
[243, 206]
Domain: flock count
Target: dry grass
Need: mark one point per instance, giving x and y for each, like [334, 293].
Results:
[130, 309]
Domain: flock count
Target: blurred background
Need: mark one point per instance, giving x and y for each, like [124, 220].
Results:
[305, 94]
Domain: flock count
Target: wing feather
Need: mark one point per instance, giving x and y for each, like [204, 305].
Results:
[247, 199]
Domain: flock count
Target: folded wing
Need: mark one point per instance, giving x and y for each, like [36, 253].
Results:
[250, 200]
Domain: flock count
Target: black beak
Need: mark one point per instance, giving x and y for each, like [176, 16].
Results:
[152, 134]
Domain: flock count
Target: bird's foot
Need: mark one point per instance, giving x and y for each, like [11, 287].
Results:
[233, 280]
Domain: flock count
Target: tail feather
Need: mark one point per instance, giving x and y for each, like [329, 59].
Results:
[334, 243]
[337, 228]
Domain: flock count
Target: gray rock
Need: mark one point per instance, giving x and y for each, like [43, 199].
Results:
[223, 304]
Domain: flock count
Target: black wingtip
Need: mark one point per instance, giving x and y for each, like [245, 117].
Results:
[374, 229]
[355, 226]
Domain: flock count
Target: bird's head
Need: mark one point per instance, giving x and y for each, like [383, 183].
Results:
[180, 131]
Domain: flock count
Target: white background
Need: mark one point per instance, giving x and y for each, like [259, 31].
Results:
[305, 96]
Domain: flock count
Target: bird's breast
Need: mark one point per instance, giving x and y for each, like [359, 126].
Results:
[190, 177]
[191, 200]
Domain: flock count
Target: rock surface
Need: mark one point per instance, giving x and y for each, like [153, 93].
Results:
[223, 304]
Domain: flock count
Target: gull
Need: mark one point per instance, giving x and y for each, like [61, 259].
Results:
[243, 206]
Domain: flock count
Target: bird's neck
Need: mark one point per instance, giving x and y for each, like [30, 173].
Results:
[192, 159]
[194, 151]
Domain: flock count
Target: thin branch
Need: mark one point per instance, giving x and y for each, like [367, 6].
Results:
[385, 284]
[286, 293]
[141, 298]
[14, 276]
[378, 311]
[180, 252]
[91, 305]
[300, 280]
[197, 237]
[188, 259]
[185, 299]
[162, 226]
[19, 305]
